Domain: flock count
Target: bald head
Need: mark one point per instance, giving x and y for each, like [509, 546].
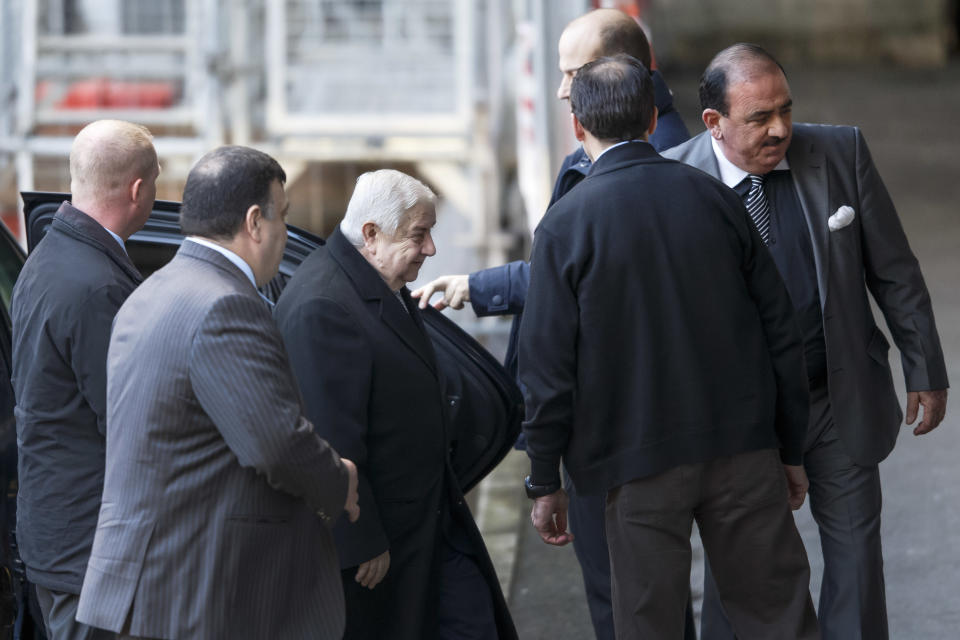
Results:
[738, 63]
[107, 155]
[113, 174]
[598, 34]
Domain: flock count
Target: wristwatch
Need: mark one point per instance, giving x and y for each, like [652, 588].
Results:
[539, 490]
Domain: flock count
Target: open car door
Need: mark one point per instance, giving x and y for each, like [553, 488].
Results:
[484, 405]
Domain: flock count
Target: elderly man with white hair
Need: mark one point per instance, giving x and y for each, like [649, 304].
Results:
[414, 564]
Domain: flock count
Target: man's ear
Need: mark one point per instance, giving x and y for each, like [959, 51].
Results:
[653, 123]
[136, 188]
[369, 232]
[253, 222]
[578, 129]
[711, 119]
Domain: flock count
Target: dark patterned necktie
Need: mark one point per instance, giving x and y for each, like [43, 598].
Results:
[758, 207]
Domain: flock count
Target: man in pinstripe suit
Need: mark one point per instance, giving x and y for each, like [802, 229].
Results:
[218, 495]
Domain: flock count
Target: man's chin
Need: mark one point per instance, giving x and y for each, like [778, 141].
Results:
[772, 160]
[412, 274]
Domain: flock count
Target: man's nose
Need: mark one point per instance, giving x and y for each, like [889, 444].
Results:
[563, 91]
[428, 248]
[779, 128]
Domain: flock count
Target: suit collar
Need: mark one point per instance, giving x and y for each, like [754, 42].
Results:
[624, 155]
[408, 325]
[80, 226]
[702, 155]
[197, 251]
[234, 259]
[809, 172]
[810, 179]
[365, 278]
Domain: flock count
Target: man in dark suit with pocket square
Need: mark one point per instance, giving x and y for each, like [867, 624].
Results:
[832, 229]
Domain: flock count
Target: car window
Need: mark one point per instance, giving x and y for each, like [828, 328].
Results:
[150, 256]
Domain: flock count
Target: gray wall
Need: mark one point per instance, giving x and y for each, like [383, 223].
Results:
[909, 32]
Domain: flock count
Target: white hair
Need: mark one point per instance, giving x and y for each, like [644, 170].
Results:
[382, 197]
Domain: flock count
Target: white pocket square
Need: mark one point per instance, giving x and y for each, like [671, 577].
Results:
[841, 218]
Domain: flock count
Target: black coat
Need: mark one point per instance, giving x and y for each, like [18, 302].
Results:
[372, 389]
[657, 330]
[62, 310]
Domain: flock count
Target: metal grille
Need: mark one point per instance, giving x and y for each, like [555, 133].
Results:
[370, 57]
[96, 58]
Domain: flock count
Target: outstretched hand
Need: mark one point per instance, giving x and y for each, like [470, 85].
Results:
[549, 516]
[455, 290]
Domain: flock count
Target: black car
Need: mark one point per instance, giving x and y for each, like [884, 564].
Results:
[485, 405]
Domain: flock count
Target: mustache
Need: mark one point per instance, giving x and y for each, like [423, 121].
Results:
[773, 142]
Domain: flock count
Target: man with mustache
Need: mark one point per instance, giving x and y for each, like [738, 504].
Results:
[828, 221]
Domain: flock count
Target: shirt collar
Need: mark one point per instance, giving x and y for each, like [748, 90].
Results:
[229, 255]
[732, 175]
[117, 238]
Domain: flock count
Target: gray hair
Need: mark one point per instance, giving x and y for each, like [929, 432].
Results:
[382, 197]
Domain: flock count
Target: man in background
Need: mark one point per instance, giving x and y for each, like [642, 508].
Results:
[502, 290]
[62, 309]
[218, 496]
[825, 214]
[661, 361]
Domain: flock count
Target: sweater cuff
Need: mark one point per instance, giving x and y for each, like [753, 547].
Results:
[792, 456]
[544, 472]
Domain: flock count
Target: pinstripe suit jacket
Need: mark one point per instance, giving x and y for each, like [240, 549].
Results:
[214, 482]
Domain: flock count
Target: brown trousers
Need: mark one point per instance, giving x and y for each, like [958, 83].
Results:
[748, 532]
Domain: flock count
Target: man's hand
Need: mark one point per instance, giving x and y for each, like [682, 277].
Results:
[934, 408]
[352, 507]
[549, 516]
[373, 571]
[797, 485]
[455, 290]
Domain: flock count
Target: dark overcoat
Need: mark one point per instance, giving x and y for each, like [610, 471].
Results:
[62, 309]
[371, 387]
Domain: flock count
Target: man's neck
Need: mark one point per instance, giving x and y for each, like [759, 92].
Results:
[104, 216]
[600, 147]
[236, 251]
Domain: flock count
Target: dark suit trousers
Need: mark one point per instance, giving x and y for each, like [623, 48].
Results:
[463, 605]
[59, 611]
[739, 503]
[586, 518]
[845, 502]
